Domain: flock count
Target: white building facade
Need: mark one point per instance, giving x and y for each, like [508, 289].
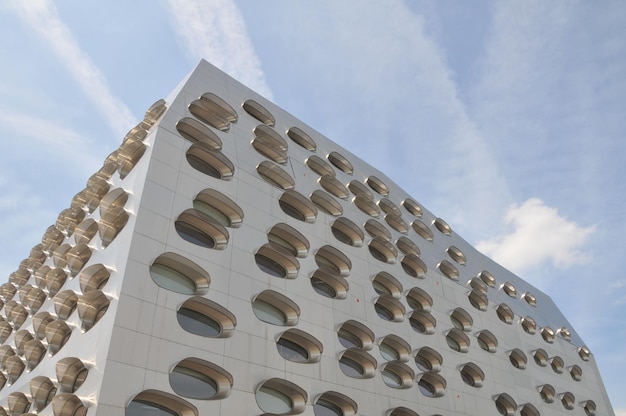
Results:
[228, 259]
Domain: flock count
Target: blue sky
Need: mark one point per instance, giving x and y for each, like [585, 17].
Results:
[504, 118]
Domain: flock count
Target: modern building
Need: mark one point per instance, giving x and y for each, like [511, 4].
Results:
[228, 259]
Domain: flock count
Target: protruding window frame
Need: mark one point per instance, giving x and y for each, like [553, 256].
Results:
[222, 317]
[419, 299]
[288, 237]
[289, 309]
[195, 131]
[302, 139]
[185, 268]
[224, 206]
[208, 161]
[304, 340]
[219, 378]
[349, 233]
[259, 112]
[414, 266]
[276, 176]
[167, 401]
[296, 395]
[361, 359]
[354, 330]
[340, 162]
[298, 206]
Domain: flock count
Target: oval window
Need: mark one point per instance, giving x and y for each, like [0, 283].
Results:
[193, 384]
[299, 346]
[268, 313]
[276, 309]
[273, 401]
[174, 272]
[391, 379]
[353, 334]
[199, 379]
[268, 265]
[332, 403]
[158, 403]
[350, 367]
[292, 351]
[142, 408]
[195, 236]
[432, 385]
[281, 397]
[388, 352]
[397, 375]
[171, 279]
[323, 288]
[348, 339]
[201, 316]
[198, 323]
[394, 348]
[212, 212]
[326, 408]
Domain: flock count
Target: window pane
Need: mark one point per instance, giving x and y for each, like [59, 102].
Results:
[452, 343]
[349, 340]
[198, 323]
[289, 350]
[212, 212]
[388, 352]
[324, 408]
[426, 388]
[273, 401]
[391, 379]
[268, 313]
[383, 312]
[350, 368]
[423, 363]
[380, 288]
[194, 235]
[192, 384]
[270, 266]
[138, 408]
[172, 280]
[323, 288]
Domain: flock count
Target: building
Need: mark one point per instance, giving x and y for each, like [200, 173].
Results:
[229, 260]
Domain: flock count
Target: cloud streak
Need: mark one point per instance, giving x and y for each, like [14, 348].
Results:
[43, 18]
[539, 235]
[216, 31]
[58, 141]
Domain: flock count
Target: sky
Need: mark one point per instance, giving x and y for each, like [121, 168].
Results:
[506, 119]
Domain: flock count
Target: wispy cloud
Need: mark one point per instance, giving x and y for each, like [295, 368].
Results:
[22, 209]
[43, 18]
[52, 139]
[382, 88]
[216, 31]
[617, 284]
[540, 234]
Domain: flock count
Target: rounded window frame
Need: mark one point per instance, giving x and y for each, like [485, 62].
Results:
[222, 317]
[182, 266]
[304, 340]
[205, 372]
[276, 301]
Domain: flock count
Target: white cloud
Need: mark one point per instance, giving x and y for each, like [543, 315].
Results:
[620, 412]
[216, 31]
[52, 139]
[22, 210]
[42, 17]
[382, 88]
[539, 235]
[618, 284]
